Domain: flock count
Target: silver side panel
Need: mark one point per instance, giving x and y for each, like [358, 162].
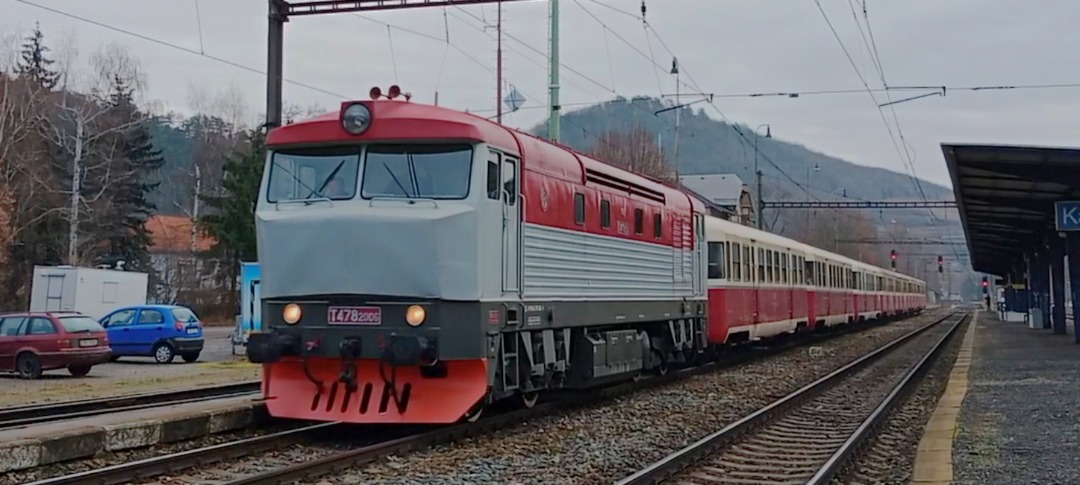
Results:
[360, 248]
[570, 265]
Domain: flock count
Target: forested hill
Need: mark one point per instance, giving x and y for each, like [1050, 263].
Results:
[710, 146]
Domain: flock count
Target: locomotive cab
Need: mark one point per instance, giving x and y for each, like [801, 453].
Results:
[376, 251]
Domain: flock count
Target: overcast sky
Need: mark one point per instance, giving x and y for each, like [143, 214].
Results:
[725, 47]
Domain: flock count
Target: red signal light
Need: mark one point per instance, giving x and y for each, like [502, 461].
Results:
[395, 91]
[375, 92]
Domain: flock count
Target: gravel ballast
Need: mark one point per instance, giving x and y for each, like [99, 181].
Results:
[606, 442]
[794, 444]
[890, 458]
[116, 458]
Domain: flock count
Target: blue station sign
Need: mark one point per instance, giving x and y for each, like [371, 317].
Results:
[1067, 215]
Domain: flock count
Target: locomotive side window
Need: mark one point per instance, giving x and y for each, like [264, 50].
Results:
[716, 260]
[605, 213]
[313, 174]
[639, 221]
[509, 177]
[417, 171]
[579, 208]
[493, 176]
[658, 226]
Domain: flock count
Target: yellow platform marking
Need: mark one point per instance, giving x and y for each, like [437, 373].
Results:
[933, 460]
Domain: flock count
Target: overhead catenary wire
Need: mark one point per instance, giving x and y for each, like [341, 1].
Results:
[176, 47]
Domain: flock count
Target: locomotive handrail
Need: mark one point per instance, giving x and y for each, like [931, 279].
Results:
[302, 201]
[521, 242]
[409, 200]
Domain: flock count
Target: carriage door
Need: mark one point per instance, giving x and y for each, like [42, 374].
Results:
[511, 209]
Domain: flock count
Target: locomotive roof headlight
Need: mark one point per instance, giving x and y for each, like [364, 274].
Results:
[291, 313]
[415, 315]
[356, 119]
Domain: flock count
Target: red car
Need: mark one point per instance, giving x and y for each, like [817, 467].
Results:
[32, 342]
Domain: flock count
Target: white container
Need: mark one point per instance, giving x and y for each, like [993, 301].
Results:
[91, 291]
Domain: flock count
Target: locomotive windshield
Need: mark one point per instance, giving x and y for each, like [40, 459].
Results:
[417, 171]
[313, 174]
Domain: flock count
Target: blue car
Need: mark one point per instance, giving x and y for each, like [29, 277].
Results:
[158, 331]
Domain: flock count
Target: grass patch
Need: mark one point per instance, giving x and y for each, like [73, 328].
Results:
[230, 364]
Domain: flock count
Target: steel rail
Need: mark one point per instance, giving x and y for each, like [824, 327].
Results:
[866, 429]
[159, 465]
[373, 452]
[675, 463]
[150, 467]
[40, 413]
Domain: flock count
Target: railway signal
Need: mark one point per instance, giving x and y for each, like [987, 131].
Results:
[986, 285]
[940, 265]
[892, 257]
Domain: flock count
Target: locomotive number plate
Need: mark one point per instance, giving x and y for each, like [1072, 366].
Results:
[354, 315]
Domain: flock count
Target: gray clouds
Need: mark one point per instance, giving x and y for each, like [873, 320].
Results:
[727, 46]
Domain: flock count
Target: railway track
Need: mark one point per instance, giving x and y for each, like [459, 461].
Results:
[809, 435]
[17, 416]
[374, 446]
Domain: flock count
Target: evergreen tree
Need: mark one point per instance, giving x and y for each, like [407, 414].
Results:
[230, 218]
[34, 63]
[129, 239]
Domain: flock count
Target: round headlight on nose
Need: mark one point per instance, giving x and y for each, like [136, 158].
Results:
[356, 119]
[415, 315]
[291, 313]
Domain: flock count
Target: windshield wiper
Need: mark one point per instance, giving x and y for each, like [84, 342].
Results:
[327, 181]
[396, 181]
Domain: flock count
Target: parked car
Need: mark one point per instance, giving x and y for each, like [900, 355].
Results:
[32, 342]
[158, 331]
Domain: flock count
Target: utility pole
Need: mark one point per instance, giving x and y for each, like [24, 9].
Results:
[675, 71]
[498, 65]
[760, 203]
[553, 87]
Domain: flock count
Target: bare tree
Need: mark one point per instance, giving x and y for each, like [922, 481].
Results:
[633, 150]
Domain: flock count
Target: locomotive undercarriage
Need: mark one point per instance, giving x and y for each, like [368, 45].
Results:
[532, 361]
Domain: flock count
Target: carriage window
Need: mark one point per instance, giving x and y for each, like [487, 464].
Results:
[761, 265]
[493, 178]
[313, 174]
[579, 208]
[716, 260]
[747, 266]
[783, 268]
[605, 213]
[658, 226]
[736, 262]
[639, 221]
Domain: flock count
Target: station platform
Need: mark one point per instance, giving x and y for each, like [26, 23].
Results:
[44, 444]
[1009, 413]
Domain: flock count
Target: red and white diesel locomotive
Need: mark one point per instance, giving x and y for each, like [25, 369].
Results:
[420, 263]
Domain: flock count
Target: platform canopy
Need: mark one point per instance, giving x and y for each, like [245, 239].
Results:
[1006, 195]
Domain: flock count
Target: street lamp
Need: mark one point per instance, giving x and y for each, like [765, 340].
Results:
[757, 173]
